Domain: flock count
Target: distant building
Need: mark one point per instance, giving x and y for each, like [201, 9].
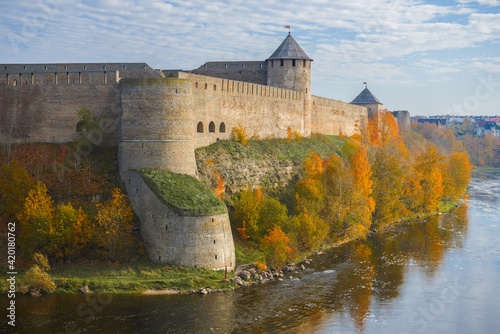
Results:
[488, 127]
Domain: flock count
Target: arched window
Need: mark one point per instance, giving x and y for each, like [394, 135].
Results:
[222, 127]
[199, 128]
[81, 127]
[14, 83]
[211, 127]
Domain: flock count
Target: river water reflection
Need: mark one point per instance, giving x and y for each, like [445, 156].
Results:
[438, 276]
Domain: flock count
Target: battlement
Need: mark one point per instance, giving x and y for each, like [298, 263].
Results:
[209, 85]
[247, 71]
[72, 74]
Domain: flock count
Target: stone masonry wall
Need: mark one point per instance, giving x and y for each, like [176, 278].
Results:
[157, 125]
[39, 102]
[332, 117]
[262, 110]
[247, 71]
[204, 241]
[48, 112]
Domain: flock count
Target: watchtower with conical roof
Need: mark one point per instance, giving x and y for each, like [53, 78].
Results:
[368, 100]
[289, 67]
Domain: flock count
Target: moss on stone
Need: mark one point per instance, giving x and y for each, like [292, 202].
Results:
[182, 193]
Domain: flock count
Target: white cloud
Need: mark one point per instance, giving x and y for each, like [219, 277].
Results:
[349, 40]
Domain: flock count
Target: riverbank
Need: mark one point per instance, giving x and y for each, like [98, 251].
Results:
[135, 277]
[146, 277]
[486, 169]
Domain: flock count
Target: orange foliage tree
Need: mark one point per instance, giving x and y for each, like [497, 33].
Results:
[217, 179]
[276, 247]
[240, 134]
[389, 166]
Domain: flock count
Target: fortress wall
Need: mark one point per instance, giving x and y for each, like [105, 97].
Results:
[126, 70]
[247, 71]
[204, 241]
[45, 112]
[262, 110]
[334, 117]
[60, 78]
[157, 125]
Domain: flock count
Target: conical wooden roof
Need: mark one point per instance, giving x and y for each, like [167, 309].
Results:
[365, 97]
[289, 49]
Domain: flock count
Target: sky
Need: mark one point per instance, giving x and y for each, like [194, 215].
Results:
[428, 57]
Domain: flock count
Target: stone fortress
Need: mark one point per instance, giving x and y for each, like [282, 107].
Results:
[158, 118]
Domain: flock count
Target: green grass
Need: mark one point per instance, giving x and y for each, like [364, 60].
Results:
[132, 278]
[246, 254]
[483, 169]
[182, 193]
[294, 150]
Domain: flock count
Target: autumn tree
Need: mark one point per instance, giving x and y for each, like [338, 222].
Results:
[389, 166]
[310, 192]
[247, 209]
[456, 175]
[276, 248]
[37, 232]
[218, 186]
[74, 231]
[114, 219]
[15, 183]
[309, 230]
[240, 134]
[427, 167]
[361, 172]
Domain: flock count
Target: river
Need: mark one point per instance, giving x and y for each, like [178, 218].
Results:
[441, 275]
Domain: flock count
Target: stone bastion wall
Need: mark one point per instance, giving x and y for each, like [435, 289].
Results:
[202, 241]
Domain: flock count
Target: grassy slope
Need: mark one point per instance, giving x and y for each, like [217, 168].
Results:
[182, 193]
[262, 162]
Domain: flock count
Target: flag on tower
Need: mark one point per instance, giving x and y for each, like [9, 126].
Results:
[288, 27]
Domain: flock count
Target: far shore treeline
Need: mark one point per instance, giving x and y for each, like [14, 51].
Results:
[69, 207]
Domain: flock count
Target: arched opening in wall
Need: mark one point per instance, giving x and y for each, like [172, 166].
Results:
[281, 62]
[293, 62]
[195, 85]
[199, 127]
[211, 127]
[81, 127]
[222, 127]
[14, 83]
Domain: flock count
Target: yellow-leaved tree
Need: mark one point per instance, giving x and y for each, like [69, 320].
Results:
[15, 183]
[114, 218]
[37, 232]
[456, 175]
[427, 167]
